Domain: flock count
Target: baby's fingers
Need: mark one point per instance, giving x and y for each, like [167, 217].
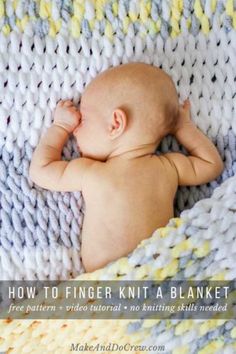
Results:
[186, 104]
[66, 103]
[75, 113]
[185, 107]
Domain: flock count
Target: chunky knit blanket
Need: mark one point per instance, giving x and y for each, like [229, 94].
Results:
[50, 50]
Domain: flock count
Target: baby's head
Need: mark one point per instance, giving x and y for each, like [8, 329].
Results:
[124, 108]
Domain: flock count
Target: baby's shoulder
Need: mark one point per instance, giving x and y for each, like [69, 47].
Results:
[165, 165]
[165, 161]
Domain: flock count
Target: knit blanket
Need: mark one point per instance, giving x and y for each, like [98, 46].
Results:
[50, 50]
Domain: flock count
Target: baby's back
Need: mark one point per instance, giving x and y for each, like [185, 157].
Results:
[125, 201]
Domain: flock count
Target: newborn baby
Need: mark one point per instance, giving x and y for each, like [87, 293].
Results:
[128, 190]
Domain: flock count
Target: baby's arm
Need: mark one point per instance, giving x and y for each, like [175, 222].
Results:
[204, 162]
[47, 169]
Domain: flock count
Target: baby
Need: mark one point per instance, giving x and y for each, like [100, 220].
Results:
[128, 190]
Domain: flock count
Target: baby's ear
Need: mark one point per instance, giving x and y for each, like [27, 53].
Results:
[117, 123]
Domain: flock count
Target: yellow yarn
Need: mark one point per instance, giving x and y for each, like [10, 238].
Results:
[198, 9]
[126, 24]
[201, 17]
[212, 347]
[152, 27]
[115, 8]
[233, 333]
[178, 221]
[23, 22]
[203, 250]
[210, 324]
[6, 29]
[75, 27]
[219, 276]
[179, 248]
[99, 9]
[14, 4]
[54, 27]
[183, 327]
[170, 269]
[45, 9]
[92, 24]
[142, 272]
[149, 323]
[109, 30]
[121, 266]
[213, 5]
[79, 9]
[158, 24]
[188, 22]
[18, 24]
[133, 16]
[176, 11]
[158, 274]
[144, 11]
[164, 231]
[205, 24]
[229, 8]
[181, 350]
[2, 10]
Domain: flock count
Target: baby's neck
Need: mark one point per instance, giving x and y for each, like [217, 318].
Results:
[129, 153]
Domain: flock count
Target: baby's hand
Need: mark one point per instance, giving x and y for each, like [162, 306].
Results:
[66, 115]
[184, 118]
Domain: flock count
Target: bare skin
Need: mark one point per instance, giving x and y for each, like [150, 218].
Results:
[128, 191]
